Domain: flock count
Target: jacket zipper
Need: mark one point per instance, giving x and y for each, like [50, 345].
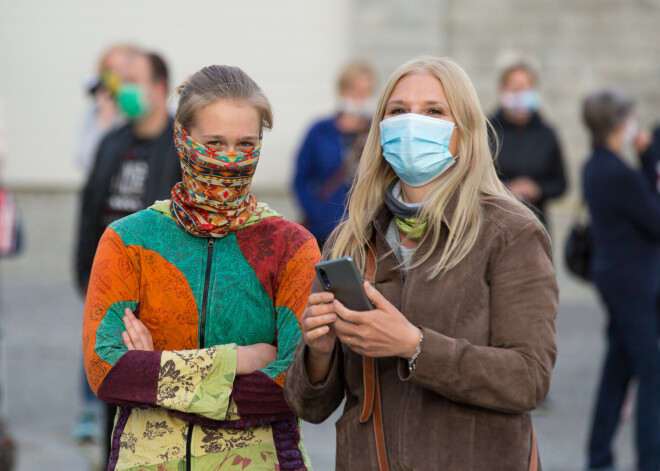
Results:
[205, 297]
[202, 328]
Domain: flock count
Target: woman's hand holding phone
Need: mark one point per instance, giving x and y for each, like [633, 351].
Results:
[319, 334]
[381, 332]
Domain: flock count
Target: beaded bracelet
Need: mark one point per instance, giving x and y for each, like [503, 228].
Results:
[413, 360]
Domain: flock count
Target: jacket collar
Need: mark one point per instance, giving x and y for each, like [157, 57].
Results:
[602, 151]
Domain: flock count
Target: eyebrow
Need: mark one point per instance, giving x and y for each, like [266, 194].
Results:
[218, 136]
[427, 102]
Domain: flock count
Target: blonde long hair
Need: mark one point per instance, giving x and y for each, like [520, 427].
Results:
[472, 178]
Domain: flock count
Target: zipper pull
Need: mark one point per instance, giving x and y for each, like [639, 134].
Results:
[211, 243]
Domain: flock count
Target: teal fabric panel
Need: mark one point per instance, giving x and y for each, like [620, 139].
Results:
[239, 308]
[107, 347]
[288, 337]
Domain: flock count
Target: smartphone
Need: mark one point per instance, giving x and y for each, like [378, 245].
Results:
[341, 277]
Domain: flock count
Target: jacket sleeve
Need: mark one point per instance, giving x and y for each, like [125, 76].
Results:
[511, 374]
[306, 178]
[641, 205]
[88, 230]
[314, 402]
[553, 181]
[192, 382]
[260, 394]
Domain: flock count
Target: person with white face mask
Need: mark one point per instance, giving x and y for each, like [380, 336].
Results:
[329, 154]
[529, 160]
[625, 267]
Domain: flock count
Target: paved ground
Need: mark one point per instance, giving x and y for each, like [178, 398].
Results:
[40, 355]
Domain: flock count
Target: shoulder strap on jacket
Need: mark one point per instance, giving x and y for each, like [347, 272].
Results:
[372, 402]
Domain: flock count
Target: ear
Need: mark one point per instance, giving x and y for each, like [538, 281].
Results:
[161, 86]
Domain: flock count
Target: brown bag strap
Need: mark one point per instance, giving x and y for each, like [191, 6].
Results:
[372, 402]
[368, 369]
[534, 455]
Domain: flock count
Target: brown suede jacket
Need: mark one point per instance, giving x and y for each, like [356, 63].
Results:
[487, 356]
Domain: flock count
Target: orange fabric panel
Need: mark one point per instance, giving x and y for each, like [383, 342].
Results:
[167, 306]
[297, 277]
[280, 379]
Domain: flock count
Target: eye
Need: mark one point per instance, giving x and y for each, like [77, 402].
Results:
[395, 111]
[436, 111]
[246, 145]
[213, 144]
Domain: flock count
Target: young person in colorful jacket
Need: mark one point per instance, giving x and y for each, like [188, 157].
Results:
[465, 294]
[193, 308]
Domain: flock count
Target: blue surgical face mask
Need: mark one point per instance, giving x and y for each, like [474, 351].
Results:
[417, 147]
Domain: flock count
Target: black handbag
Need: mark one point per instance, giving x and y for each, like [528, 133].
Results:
[579, 247]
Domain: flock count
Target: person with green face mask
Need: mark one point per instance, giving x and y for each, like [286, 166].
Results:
[132, 101]
[135, 165]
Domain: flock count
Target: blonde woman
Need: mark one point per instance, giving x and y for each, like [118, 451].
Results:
[465, 293]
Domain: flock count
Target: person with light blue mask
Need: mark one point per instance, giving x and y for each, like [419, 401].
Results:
[461, 339]
[529, 160]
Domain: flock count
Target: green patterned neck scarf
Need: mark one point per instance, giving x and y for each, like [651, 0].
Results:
[405, 214]
[408, 229]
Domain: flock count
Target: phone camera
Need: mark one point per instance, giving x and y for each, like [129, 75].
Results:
[324, 278]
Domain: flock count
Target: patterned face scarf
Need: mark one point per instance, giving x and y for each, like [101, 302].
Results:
[214, 197]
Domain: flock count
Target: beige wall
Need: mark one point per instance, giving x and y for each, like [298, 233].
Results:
[292, 49]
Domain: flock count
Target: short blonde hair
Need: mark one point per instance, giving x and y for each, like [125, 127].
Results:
[104, 61]
[220, 82]
[352, 71]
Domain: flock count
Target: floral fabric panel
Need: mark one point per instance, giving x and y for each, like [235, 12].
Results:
[198, 381]
[152, 436]
[248, 448]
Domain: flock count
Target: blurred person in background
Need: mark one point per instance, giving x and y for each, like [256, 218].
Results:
[625, 227]
[330, 152]
[529, 160]
[193, 308]
[134, 165]
[102, 116]
[464, 294]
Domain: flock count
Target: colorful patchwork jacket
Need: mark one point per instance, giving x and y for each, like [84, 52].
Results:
[182, 407]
